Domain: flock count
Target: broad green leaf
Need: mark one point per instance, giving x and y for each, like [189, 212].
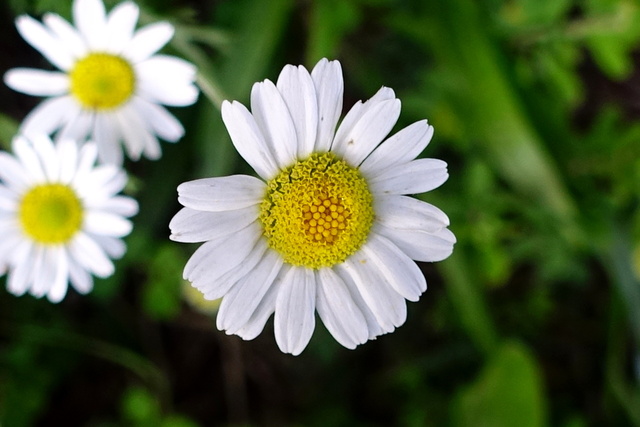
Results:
[508, 392]
[161, 295]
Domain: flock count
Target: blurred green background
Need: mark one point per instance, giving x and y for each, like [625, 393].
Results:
[533, 321]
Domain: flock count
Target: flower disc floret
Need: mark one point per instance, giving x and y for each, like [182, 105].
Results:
[51, 213]
[102, 81]
[317, 212]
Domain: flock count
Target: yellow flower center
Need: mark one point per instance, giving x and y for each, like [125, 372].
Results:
[102, 81]
[51, 213]
[317, 212]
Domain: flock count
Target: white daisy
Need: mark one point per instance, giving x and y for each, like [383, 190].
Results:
[110, 85]
[328, 227]
[60, 216]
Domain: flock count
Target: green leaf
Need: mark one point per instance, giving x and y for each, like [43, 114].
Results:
[161, 296]
[140, 407]
[178, 421]
[8, 129]
[331, 21]
[508, 392]
[250, 50]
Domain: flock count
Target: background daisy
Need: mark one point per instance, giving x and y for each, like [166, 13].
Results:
[61, 219]
[111, 85]
[329, 228]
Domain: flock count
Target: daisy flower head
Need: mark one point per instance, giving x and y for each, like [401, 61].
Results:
[328, 226]
[61, 218]
[111, 85]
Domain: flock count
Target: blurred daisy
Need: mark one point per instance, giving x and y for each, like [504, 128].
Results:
[328, 227]
[60, 217]
[111, 84]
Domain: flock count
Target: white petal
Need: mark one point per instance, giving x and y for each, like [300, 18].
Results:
[106, 224]
[37, 82]
[113, 246]
[295, 307]
[159, 120]
[90, 256]
[30, 159]
[8, 199]
[408, 213]
[79, 127]
[338, 311]
[215, 287]
[22, 272]
[243, 298]
[89, 17]
[49, 116]
[119, 205]
[40, 38]
[248, 139]
[133, 131]
[152, 150]
[138, 138]
[396, 267]
[357, 142]
[9, 226]
[108, 180]
[67, 153]
[167, 80]
[373, 326]
[273, 118]
[80, 278]
[167, 69]
[43, 271]
[66, 33]
[221, 194]
[217, 257]
[192, 226]
[148, 40]
[107, 137]
[100, 183]
[420, 245]
[10, 244]
[86, 160]
[12, 172]
[358, 110]
[264, 310]
[398, 149]
[417, 176]
[327, 78]
[299, 94]
[388, 307]
[48, 156]
[60, 280]
[121, 23]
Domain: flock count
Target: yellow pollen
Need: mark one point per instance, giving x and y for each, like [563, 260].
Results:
[51, 213]
[102, 81]
[317, 212]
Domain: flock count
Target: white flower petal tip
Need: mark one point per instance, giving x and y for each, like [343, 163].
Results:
[294, 315]
[130, 115]
[274, 245]
[398, 149]
[221, 194]
[415, 177]
[43, 252]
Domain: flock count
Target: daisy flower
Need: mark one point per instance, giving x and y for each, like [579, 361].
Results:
[111, 85]
[61, 219]
[328, 227]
